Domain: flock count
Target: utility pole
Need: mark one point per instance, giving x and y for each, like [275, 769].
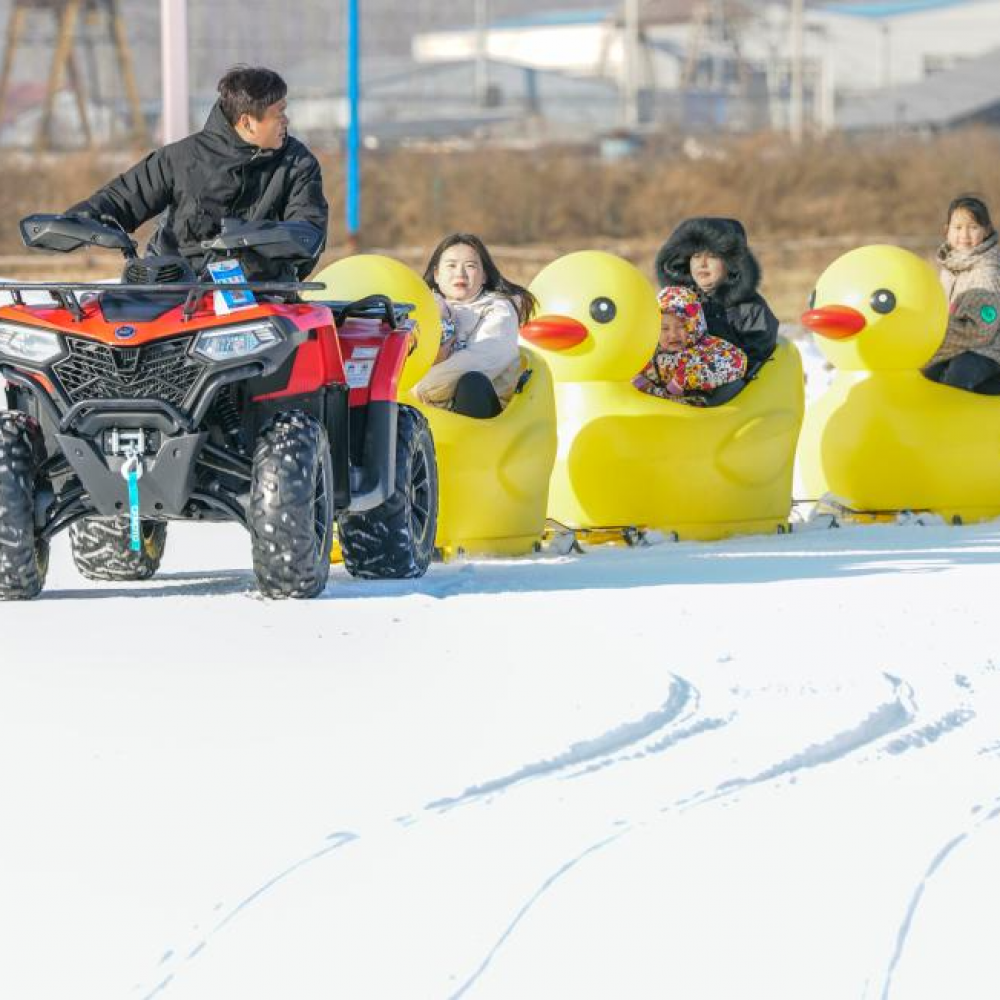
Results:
[352, 200]
[717, 36]
[630, 64]
[174, 65]
[796, 95]
[826, 100]
[482, 85]
[884, 62]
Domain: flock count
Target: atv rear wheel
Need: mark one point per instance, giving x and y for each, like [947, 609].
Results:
[24, 557]
[291, 507]
[396, 539]
[101, 548]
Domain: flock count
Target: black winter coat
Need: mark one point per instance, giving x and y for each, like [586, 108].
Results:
[209, 176]
[734, 310]
[749, 324]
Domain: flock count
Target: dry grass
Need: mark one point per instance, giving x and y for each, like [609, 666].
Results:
[835, 188]
[802, 207]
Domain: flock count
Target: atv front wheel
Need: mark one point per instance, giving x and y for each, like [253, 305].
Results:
[101, 548]
[291, 507]
[24, 557]
[396, 539]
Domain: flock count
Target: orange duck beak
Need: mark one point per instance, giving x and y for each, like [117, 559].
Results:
[554, 333]
[834, 322]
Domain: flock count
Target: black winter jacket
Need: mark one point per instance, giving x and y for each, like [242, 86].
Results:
[209, 176]
[735, 309]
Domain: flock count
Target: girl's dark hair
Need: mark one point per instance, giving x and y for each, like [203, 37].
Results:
[976, 207]
[249, 90]
[522, 300]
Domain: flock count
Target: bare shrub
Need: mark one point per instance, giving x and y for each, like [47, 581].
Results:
[802, 206]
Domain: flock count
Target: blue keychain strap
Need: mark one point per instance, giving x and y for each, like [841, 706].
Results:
[131, 473]
[133, 511]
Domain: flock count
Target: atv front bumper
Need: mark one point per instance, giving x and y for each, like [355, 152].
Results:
[165, 488]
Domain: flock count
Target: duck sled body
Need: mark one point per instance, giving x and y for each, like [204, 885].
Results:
[630, 459]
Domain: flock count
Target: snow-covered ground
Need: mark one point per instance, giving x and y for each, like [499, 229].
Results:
[768, 768]
[762, 768]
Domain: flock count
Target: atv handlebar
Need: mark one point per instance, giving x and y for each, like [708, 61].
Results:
[291, 241]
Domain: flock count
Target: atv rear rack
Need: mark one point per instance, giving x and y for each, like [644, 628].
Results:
[65, 292]
[370, 307]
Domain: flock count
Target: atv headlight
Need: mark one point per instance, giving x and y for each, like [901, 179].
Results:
[229, 342]
[28, 343]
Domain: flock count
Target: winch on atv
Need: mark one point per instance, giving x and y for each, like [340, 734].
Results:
[173, 396]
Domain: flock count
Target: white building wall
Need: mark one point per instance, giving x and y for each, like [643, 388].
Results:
[845, 54]
[577, 49]
[585, 50]
[865, 53]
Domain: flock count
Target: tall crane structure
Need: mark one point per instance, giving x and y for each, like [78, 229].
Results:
[65, 16]
[714, 60]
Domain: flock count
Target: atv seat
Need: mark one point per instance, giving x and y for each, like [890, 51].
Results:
[120, 306]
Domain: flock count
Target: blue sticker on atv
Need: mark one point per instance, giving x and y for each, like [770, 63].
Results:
[988, 314]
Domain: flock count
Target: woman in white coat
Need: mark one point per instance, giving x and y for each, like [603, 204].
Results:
[478, 365]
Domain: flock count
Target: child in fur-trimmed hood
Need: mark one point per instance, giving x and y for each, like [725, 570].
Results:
[711, 256]
[687, 361]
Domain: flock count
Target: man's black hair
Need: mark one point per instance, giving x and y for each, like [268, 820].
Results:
[249, 90]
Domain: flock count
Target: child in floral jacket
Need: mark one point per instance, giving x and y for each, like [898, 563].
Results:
[688, 362]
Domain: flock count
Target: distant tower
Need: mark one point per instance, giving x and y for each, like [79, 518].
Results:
[66, 15]
[714, 60]
[635, 72]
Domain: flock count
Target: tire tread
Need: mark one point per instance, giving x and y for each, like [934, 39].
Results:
[24, 557]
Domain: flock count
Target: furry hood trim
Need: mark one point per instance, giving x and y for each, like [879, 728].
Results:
[724, 237]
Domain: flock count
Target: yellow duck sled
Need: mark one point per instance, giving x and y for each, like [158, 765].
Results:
[493, 475]
[628, 461]
[883, 438]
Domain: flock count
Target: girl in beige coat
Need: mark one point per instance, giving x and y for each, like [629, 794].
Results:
[478, 365]
[969, 357]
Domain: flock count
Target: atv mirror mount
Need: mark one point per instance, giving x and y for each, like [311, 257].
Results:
[129, 251]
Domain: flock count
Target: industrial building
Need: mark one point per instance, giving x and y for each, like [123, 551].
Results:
[514, 71]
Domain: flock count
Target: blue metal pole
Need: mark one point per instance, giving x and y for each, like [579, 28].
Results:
[353, 198]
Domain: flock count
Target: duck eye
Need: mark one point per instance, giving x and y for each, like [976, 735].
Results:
[812, 299]
[603, 310]
[883, 301]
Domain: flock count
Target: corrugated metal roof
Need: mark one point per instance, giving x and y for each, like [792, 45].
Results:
[960, 94]
[553, 18]
[893, 8]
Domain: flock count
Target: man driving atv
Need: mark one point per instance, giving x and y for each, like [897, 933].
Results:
[241, 166]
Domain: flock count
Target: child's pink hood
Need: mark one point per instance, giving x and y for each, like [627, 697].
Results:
[683, 302]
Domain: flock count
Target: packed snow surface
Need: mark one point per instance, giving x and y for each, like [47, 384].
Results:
[768, 767]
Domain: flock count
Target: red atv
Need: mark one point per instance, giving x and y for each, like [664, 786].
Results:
[132, 405]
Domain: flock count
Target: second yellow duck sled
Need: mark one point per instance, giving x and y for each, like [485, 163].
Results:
[627, 460]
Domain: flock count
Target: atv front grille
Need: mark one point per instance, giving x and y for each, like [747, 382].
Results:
[154, 371]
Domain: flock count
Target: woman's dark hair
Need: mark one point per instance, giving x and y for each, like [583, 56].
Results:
[976, 207]
[249, 90]
[523, 301]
